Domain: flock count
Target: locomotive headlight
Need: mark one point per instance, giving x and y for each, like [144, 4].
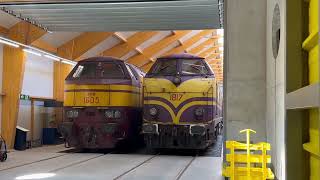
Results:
[72, 113]
[112, 114]
[75, 113]
[117, 114]
[199, 112]
[109, 113]
[153, 111]
[177, 80]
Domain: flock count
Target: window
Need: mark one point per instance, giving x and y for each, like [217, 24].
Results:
[101, 70]
[193, 67]
[112, 70]
[165, 67]
[129, 70]
[87, 70]
[133, 71]
[276, 29]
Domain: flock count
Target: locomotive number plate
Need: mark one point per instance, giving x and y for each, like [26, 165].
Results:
[176, 96]
[91, 98]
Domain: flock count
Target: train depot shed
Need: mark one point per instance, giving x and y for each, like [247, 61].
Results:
[149, 89]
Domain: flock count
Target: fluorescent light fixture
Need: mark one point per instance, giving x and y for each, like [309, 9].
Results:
[69, 62]
[36, 176]
[9, 43]
[52, 57]
[35, 51]
[32, 52]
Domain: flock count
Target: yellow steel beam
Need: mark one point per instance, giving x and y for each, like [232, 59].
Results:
[13, 71]
[147, 54]
[146, 67]
[213, 56]
[76, 47]
[3, 31]
[183, 46]
[44, 46]
[188, 43]
[130, 44]
[208, 52]
[201, 46]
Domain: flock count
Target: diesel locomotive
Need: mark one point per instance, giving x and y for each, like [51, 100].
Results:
[102, 103]
[180, 104]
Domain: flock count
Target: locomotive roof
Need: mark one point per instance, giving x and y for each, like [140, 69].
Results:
[101, 59]
[180, 56]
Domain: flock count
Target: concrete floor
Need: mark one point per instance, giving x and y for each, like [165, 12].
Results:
[100, 166]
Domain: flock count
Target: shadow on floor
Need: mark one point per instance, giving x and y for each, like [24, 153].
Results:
[212, 151]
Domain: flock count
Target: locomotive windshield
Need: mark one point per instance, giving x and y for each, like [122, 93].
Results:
[165, 67]
[169, 67]
[103, 70]
[193, 66]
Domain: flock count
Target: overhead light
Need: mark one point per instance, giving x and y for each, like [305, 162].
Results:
[9, 43]
[36, 176]
[32, 52]
[52, 57]
[69, 62]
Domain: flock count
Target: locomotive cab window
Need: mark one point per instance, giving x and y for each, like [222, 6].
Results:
[165, 67]
[101, 70]
[133, 72]
[87, 70]
[112, 70]
[193, 67]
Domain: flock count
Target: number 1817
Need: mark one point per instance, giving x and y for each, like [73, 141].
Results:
[175, 97]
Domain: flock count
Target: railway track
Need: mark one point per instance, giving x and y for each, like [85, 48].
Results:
[178, 176]
[135, 167]
[77, 163]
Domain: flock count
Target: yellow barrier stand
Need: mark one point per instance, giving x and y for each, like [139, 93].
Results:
[249, 166]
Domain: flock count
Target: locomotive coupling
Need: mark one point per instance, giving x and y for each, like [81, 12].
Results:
[150, 128]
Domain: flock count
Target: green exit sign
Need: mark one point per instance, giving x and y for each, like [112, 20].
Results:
[24, 97]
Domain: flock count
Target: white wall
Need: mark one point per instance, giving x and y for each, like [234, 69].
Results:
[38, 81]
[38, 76]
[276, 88]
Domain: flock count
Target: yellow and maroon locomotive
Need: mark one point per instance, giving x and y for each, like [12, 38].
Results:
[103, 103]
[180, 103]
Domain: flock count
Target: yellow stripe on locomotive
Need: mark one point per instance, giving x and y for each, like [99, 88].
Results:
[102, 95]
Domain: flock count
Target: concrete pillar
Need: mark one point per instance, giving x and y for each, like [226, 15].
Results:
[245, 61]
